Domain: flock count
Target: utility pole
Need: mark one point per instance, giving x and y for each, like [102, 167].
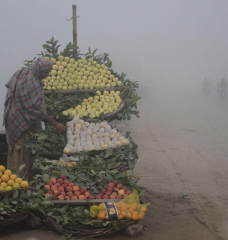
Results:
[74, 17]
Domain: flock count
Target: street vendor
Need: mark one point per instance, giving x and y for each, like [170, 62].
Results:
[25, 108]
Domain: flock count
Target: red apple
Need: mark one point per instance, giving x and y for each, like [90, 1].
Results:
[83, 191]
[82, 197]
[76, 188]
[73, 198]
[61, 197]
[87, 194]
[125, 189]
[77, 193]
[110, 190]
[63, 177]
[103, 190]
[119, 186]
[105, 197]
[70, 194]
[118, 197]
[71, 185]
[116, 182]
[64, 186]
[112, 197]
[101, 194]
[61, 189]
[125, 195]
[63, 194]
[116, 189]
[91, 197]
[50, 184]
[50, 192]
[60, 181]
[111, 185]
[57, 185]
[56, 192]
[128, 192]
[54, 198]
[69, 189]
[98, 197]
[47, 187]
[114, 193]
[53, 180]
[67, 198]
[53, 188]
[66, 181]
[108, 193]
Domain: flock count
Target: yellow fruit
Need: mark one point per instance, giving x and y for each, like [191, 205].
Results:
[13, 177]
[2, 189]
[8, 188]
[18, 180]
[16, 186]
[0, 174]
[3, 184]
[10, 182]
[24, 184]
[5, 178]
[2, 168]
[8, 172]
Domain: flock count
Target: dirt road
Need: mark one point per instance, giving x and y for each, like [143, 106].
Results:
[183, 161]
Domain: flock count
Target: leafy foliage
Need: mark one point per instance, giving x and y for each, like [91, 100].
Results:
[48, 140]
[50, 49]
[29, 62]
[70, 51]
[25, 201]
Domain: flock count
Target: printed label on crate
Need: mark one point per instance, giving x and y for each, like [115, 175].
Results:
[111, 210]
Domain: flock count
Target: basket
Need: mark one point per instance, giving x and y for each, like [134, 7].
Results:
[109, 117]
[87, 230]
[14, 218]
[71, 92]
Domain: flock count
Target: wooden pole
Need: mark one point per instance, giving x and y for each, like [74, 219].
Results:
[74, 17]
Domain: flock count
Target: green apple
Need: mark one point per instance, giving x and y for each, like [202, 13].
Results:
[69, 88]
[106, 76]
[75, 86]
[74, 66]
[91, 86]
[48, 78]
[60, 84]
[71, 70]
[106, 68]
[53, 60]
[64, 87]
[105, 80]
[108, 85]
[97, 86]
[91, 74]
[88, 82]
[90, 78]
[119, 83]
[79, 77]
[85, 66]
[96, 97]
[68, 65]
[90, 59]
[80, 65]
[54, 88]
[72, 61]
[68, 79]
[59, 87]
[86, 73]
[55, 67]
[58, 78]
[115, 79]
[63, 76]
[82, 70]
[82, 81]
[58, 63]
[94, 81]
[103, 72]
[71, 82]
[109, 82]
[108, 72]
[67, 59]
[53, 72]
[84, 78]
[102, 85]
[80, 86]
[61, 68]
[78, 69]
[95, 70]
[77, 81]
[113, 84]
[101, 77]
[65, 70]
[59, 73]
[69, 74]
[98, 65]
[86, 86]
[100, 70]
[99, 81]
[65, 84]
[94, 63]
[89, 69]
[111, 77]
[95, 77]
[73, 77]
[64, 64]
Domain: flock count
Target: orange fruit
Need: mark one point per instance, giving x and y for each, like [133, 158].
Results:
[3, 184]
[120, 216]
[123, 209]
[24, 184]
[10, 182]
[119, 212]
[2, 189]
[2, 168]
[106, 217]
[124, 214]
[8, 172]
[18, 180]
[5, 178]
[118, 207]
[0, 174]
[129, 216]
[13, 177]
[143, 209]
[102, 216]
[134, 206]
[135, 217]
[142, 214]
[135, 213]
[130, 210]
[140, 217]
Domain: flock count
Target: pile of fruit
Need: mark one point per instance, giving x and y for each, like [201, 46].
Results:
[68, 74]
[67, 164]
[85, 136]
[115, 190]
[9, 181]
[63, 189]
[94, 106]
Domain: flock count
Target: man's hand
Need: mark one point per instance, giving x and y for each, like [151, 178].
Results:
[60, 127]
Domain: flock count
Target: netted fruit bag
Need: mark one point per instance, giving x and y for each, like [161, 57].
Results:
[128, 208]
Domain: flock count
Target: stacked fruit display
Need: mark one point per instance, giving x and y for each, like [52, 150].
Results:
[85, 136]
[115, 190]
[9, 181]
[94, 106]
[68, 74]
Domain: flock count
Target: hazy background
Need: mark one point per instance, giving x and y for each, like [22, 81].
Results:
[173, 41]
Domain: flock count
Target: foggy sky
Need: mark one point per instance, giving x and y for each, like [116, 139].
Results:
[177, 41]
